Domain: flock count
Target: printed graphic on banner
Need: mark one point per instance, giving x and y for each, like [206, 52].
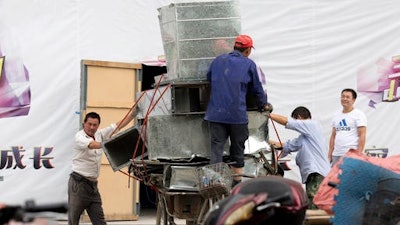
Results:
[380, 81]
[15, 95]
[14, 158]
[1, 65]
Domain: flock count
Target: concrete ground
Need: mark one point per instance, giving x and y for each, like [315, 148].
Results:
[146, 217]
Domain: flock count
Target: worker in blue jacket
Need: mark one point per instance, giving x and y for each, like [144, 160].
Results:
[232, 76]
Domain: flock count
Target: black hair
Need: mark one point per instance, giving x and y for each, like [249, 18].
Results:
[240, 49]
[353, 92]
[301, 111]
[93, 115]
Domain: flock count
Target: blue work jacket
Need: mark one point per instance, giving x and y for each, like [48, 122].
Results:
[232, 76]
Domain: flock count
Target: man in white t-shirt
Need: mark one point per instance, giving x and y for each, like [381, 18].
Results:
[83, 192]
[349, 127]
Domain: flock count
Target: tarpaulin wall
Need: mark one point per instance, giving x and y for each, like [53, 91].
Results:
[309, 51]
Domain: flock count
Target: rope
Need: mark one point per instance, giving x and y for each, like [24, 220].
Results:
[277, 134]
[143, 131]
[126, 115]
[142, 175]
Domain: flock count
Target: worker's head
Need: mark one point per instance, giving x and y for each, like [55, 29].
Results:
[301, 113]
[352, 93]
[348, 97]
[91, 123]
[244, 44]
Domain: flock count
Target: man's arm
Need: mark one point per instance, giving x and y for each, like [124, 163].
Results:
[362, 131]
[257, 89]
[94, 145]
[331, 144]
[279, 118]
[122, 123]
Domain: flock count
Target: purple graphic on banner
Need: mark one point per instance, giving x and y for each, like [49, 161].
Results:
[380, 82]
[15, 94]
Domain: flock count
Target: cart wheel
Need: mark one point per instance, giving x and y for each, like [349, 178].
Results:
[162, 216]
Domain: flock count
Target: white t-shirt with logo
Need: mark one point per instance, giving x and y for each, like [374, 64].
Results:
[346, 125]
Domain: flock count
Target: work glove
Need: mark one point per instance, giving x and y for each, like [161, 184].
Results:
[268, 108]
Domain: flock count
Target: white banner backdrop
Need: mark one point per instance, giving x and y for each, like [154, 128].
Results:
[309, 50]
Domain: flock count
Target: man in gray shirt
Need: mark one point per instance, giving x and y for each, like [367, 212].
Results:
[311, 148]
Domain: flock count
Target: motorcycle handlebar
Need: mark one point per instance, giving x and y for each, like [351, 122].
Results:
[12, 212]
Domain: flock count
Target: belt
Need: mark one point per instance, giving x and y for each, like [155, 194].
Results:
[79, 178]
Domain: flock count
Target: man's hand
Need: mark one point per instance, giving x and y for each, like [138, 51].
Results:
[276, 144]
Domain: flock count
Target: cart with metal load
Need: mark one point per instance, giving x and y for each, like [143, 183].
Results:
[188, 189]
[169, 147]
[169, 152]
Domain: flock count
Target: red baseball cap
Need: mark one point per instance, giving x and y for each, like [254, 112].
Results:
[244, 41]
